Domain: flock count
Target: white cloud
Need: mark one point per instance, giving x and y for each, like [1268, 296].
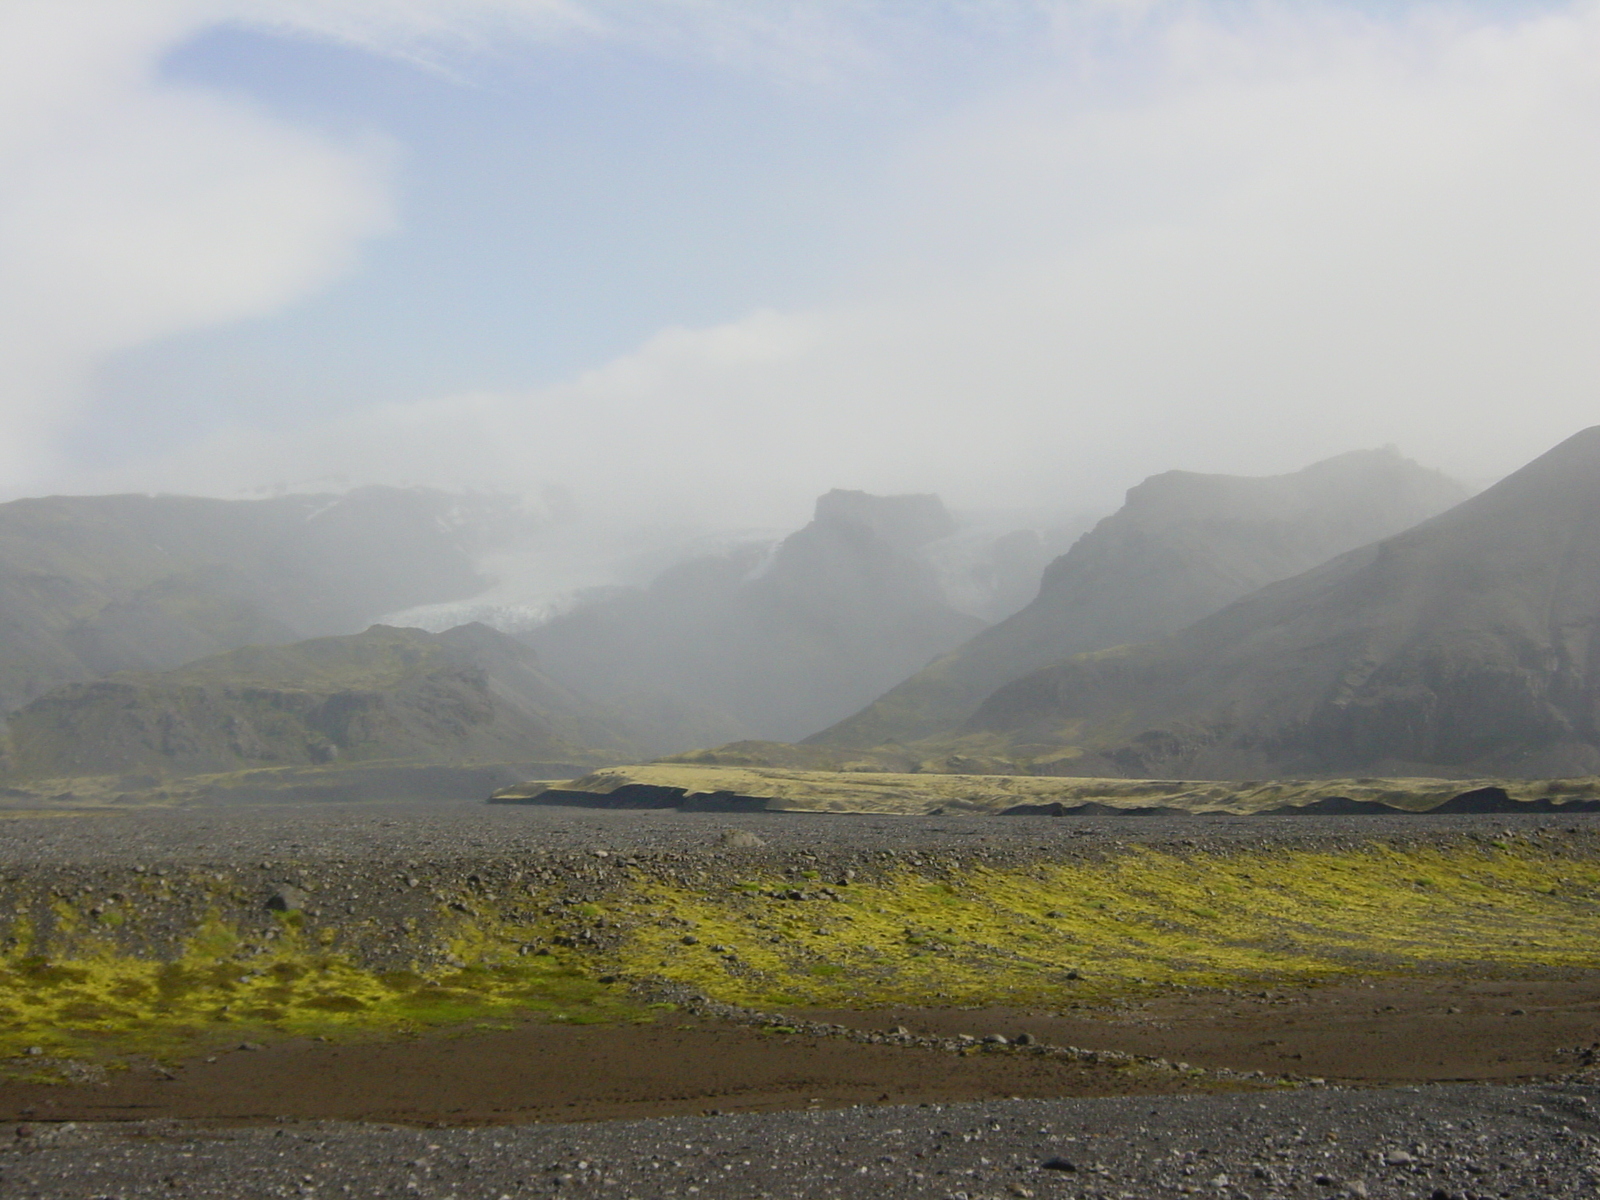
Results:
[1222, 244]
[131, 209]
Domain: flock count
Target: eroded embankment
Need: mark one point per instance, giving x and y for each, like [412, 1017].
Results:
[112, 959]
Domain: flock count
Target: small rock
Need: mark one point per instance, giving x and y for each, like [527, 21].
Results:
[1356, 1188]
[35, 1050]
[251, 1046]
[689, 939]
[1059, 1164]
[1399, 1158]
[1055, 914]
[1023, 1039]
[741, 839]
[287, 898]
[996, 1039]
[1324, 1180]
[24, 1131]
[1220, 1181]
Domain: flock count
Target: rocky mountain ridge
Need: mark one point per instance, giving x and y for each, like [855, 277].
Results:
[1183, 546]
[1464, 646]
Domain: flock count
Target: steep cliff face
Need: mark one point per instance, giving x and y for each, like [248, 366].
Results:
[1183, 546]
[90, 585]
[1465, 645]
[469, 695]
[769, 643]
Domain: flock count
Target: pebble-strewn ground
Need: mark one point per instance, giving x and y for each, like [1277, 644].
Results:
[308, 832]
[1450, 1141]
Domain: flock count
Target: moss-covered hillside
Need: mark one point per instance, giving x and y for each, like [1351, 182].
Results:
[392, 695]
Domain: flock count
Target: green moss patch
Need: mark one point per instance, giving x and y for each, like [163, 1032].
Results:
[1053, 933]
[1046, 933]
[115, 1004]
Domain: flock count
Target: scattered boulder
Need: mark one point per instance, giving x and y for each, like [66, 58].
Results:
[288, 898]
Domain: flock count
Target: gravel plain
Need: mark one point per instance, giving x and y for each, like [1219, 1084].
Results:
[1452, 1140]
[1434, 1142]
[311, 832]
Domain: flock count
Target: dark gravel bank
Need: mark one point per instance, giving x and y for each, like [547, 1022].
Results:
[1451, 1141]
[233, 835]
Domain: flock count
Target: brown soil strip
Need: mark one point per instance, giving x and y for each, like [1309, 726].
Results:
[1382, 1032]
[557, 1073]
[1389, 1031]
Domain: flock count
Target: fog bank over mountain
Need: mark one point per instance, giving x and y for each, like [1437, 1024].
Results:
[769, 641]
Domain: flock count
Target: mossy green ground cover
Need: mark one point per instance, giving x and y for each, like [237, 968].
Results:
[94, 1000]
[1049, 933]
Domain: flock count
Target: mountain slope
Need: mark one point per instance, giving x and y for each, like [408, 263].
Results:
[1183, 546]
[90, 585]
[469, 695]
[1465, 645]
[769, 644]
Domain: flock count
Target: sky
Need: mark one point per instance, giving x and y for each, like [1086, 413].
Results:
[694, 262]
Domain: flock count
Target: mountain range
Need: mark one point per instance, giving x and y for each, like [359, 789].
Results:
[1182, 546]
[1360, 617]
[1464, 646]
[92, 585]
[466, 696]
[768, 642]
